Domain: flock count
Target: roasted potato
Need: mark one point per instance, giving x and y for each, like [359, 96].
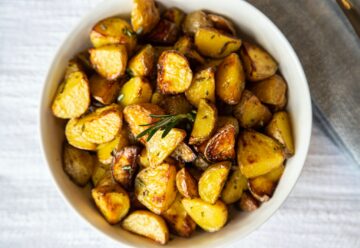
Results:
[185, 45]
[230, 79]
[195, 20]
[227, 120]
[147, 224]
[157, 97]
[186, 184]
[258, 154]
[78, 164]
[73, 133]
[109, 61]
[234, 187]
[143, 159]
[155, 187]
[214, 44]
[74, 65]
[178, 219]
[106, 180]
[103, 90]
[144, 16]
[99, 173]
[174, 15]
[201, 163]
[261, 188]
[176, 104]
[174, 73]
[205, 122]
[183, 153]
[142, 64]
[280, 129]
[112, 201]
[258, 64]
[202, 87]
[136, 90]
[73, 96]
[164, 33]
[250, 112]
[124, 166]
[221, 23]
[248, 203]
[210, 217]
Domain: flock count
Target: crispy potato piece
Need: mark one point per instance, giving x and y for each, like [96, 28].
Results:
[103, 90]
[174, 15]
[159, 148]
[185, 45]
[144, 16]
[186, 184]
[164, 33]
[234, 187]
[73, 96]
[212, 181]
[261, 188]
[109, 61]
[142, 63]
[222, 23]
[214, 44]
[222, 145]
[258, 64]
[258, 154]
[183, 153]
[230, 79]
[124, 166]
[202, 87]
[178, 219]
[147, 224]
[195, 20]
[250, 112]
[280, 129]
[248, 203]
[201, 163]
[176, 104]
[174, 73]
[73, 133]
[155, 187]
[210, 217]
[227, 120]
[205, 122]
[143, 159]
[106, 151]
[136, 90]
[99, 173]
[78, 165]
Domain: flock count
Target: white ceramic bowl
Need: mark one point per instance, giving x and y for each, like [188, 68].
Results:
[249, 20]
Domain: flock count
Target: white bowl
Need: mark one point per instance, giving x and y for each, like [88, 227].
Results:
[249, 20]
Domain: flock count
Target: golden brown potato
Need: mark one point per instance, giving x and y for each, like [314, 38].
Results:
[124, 166]
[262, 188]
[159, 148]
[185, 45]
[212, 181]
[147, 224]
[144, 16]
[78, 164]
[176, 104]
[275, 174]
[186, 184]
[112, 201]
[174, 15]
[250, 112]
[258, 154]
[210, 217]
[74, 65]
[205, 122]
[221, 146]
[109, 61]
[214, 44]
[195, 20]
[106, 180]
[113, 30]
[234, 187]
[164, 33]
[230, 79]
[248, 203]
[184, 153]
[103, 90]
[143, 62]
[174, 73]
[227, 120]
[258, 64]
[202, 87]
[143, 159]
[99, 173]
[178, 219]
[155, 187]
[136, 90]
[73, 133]
[221, 23]
[280, 129]
[73, 96]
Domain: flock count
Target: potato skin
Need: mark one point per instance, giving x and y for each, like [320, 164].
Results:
[185, 45]
[186, 184]
[234, 187]
[223, 24]
[164, 33]
[174, 15]
[144, 16]
[176, 104]
[184, 153]
[248, 203]
[228, 120]
[142, 64]
[103, 90]
[136, 90]
[73, 133]
[195, 20]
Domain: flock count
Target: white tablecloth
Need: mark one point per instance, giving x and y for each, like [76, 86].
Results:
[322, 211]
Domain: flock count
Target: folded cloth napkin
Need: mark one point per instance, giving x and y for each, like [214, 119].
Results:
[329, 51]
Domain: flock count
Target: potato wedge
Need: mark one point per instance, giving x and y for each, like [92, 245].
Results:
[210, 217]
[183, 153]
[155, 187]
[78, 165]
[164, 33]
[248, 203]
[250, 112]
[103, 90]
[174, 15]
[280, 129]
[214, 44]
[159, 148]
[143, 159]
[227, 120]
[176, 104]
[258, 64]
[186, 184]
[212, 181]
[230, 79]
[275, 174]
[73, 133]
[147, 224]
[124, 166]
[99, 173]
[174, 73]
[261, 188]
[234, 187]
[144, 16]
[73, 96]
[258, 154]
[112, 201]
[202, 87]
[178, 219]
[195, 20]
[142, 64]
[109, 61]
[223, 24]
[74, 65]
[185, 45]
[136, 90]
[205, 122]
